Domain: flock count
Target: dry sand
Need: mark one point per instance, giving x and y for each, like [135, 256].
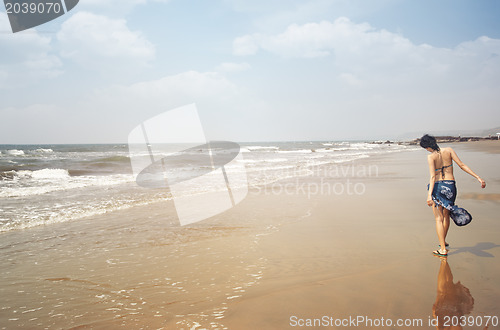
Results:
[491, 146]
[302, 252]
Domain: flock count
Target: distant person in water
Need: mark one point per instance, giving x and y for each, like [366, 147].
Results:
[442, 189]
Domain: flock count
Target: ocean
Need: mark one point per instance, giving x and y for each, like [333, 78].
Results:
[44, 184]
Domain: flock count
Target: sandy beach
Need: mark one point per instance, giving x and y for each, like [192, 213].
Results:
[350, 241]
[370, 256]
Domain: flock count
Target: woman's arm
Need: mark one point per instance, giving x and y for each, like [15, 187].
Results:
[466, 168]
[432, 180]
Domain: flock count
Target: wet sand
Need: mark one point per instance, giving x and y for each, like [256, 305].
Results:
[370, 256]
[290, 251]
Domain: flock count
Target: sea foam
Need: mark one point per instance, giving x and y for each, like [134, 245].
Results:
[15, 152]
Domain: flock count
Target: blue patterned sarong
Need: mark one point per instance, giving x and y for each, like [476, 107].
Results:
[444, 194]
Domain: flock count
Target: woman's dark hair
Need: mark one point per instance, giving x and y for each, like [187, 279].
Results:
[429, 141]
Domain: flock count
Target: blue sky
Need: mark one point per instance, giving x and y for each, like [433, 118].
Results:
[257, 70]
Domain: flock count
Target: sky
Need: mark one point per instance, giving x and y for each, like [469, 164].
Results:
[260, 70]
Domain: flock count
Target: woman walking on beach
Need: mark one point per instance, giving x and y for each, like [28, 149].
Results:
[442, 188]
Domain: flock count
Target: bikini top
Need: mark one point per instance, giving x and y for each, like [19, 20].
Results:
[442, 169]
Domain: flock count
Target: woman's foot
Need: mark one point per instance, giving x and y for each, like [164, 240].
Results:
[440, 253]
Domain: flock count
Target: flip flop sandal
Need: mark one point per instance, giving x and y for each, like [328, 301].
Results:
[439, 254]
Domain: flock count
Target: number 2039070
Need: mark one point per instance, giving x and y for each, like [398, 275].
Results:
[470, 321]
[33, 8]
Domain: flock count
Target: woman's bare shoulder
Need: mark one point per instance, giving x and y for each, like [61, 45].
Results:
[448, 152]
[447, 149]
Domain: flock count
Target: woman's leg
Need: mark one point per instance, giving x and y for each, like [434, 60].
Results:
[438, 214]
[446, 222]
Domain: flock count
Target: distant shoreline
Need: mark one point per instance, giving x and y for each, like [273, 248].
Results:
[448, 139]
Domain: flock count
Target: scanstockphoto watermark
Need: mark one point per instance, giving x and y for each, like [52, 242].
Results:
[310, 189]
[355, 321]
[364, 321]
[170, 151]
[337, 179]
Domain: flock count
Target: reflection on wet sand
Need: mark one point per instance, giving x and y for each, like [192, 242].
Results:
[453, 300]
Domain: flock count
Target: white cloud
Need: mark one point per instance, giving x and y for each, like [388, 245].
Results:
[257, 5]
[114, 8]
[230, 67]
[41, 121]
[96, 41]
[371, 54]
[3, 77]
[107, 115]
[246, 45]
[350, 79]
[112, 3]
[320, 39]
[25, 58]
[176, 89]
[355, 68]
[227, 111]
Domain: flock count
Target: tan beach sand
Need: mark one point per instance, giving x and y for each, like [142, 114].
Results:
[491, 146]
[369, 256]
[306, 252]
